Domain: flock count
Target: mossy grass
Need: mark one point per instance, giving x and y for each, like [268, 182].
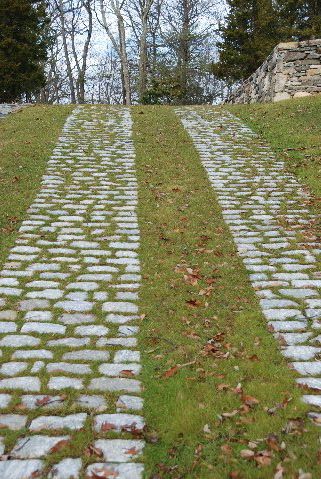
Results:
[205, 343]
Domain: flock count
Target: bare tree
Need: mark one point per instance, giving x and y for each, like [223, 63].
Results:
[120, 45]
[81, 57]
[61, 10]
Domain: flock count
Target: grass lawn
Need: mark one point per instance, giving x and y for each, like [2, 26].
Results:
[216, 386]
[26, 141]
[221, 401]
[293, 129]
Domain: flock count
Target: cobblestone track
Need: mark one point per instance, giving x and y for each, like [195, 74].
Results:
[68, 311]
[266, 210]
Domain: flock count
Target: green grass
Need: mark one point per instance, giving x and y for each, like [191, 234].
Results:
[195, 290]
[27, 139]
[293, 129]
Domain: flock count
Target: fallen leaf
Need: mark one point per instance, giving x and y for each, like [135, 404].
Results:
[263, 458]
[230, 414]
[250, 400]
[226, 449]
[194, 303]
[247, 454]
[222, 387]
[132, 451]
[43, 401]
[59, 446]
[127, 373]
[107, 426]
[273, 442]
[91, 450]
[104, 473]
[170, 372]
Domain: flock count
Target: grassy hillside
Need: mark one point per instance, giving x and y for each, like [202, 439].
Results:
[197, 302]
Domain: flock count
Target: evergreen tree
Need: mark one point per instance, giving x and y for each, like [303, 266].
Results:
[23, 44]
[301, 19]
[250, 33]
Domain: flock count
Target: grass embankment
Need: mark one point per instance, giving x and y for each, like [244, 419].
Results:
[216, 386]
[293, 129]
[26, 140]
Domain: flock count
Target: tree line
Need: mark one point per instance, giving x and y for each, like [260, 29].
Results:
[111, 51]
[141, 51]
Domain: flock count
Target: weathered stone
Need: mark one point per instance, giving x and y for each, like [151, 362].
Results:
[91, 330]
[38, 316]
[16, 469]
[120, 307]
[120, 450]
[125, 403]
[74, 305]
[27, 383]
[33, 354]
[68, 368]
[66, 469]
[34, 447]
[13, 368]
[118, 422]
[92, 402]
[14, 422]
[121, 471]
[284, 74]
[5, 400]
[62, 382]
[77, 318]
[87, 355]
[69, 342]
[7, 327]
[73, 422]
[18, 341]
[34, 304]
[127, 356]
[43, 328]
[42, 401]
[115, 384]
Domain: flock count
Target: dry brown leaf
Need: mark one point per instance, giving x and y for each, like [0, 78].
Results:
[104, 473]
[226, 449]
[170, 372]
[59, 446]
[107, 426]
[250, 401]
[128, 373]
[247, 454]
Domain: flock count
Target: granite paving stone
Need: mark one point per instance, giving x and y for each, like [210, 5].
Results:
[69, 305]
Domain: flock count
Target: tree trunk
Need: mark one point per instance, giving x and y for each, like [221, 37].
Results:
[119, 48]
[184, 50]
[143, 56]
[83, 69]
[124, 60]
[65, 45]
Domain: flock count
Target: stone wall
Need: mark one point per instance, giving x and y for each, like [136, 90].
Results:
[292, 70]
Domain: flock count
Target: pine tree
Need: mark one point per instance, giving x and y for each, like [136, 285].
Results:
[23, 44]
[248, 36]
[301, 19]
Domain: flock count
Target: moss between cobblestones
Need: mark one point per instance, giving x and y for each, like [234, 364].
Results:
[181, 224]
[26, 140]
